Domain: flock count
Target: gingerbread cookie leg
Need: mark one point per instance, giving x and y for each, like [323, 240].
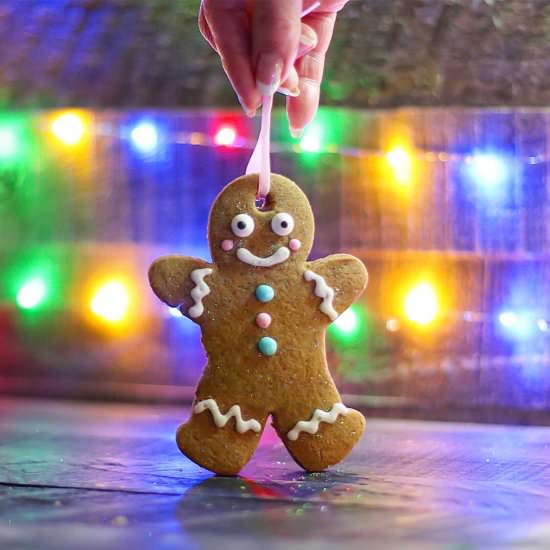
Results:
[319, 435]
[219, 437]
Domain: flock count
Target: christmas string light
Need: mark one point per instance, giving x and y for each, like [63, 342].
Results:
[488, 170]
[69, 128]
[111, 301]
[421, 304]
[32, 293]
[349, 326]
[144, 137]
[485, 168]
[400, 163]
[8, 142]
[226, 136]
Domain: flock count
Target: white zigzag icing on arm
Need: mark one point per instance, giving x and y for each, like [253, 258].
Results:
[312, 426]
[322, 290]
[200, 290]
[221, 420]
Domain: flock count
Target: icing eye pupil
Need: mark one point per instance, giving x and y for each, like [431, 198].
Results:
[284, 224]
[241, 225]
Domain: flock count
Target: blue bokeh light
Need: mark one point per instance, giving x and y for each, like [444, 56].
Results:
[489, 170]
[508, 319]
[519, 325]
[145, 137]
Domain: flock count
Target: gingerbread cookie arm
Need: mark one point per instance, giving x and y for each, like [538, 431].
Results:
[181, 281]
[337, 281]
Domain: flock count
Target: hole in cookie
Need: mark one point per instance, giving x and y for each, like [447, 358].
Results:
[262, 203]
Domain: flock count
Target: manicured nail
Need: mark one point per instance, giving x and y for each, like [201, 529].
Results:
[268, 73]
[296, 132]
[295, 92]
[248, 112]
[307, 41]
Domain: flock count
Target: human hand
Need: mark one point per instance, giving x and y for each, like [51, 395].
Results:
[265, 47]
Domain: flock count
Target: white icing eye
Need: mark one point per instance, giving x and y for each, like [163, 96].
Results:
[282, 224]
[242, 225]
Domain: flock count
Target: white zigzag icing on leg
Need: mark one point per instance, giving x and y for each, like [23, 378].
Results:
[312, 426]
[221, 420]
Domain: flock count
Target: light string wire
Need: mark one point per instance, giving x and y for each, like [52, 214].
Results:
[205, 139]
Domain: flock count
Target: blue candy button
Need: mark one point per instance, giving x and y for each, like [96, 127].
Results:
[267, 345]
[264, 293]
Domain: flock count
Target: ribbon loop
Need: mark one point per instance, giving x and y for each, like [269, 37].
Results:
[260, 161]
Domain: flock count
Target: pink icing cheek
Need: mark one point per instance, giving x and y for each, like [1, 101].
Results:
[263, 320]
[294, 244]
[227, 245]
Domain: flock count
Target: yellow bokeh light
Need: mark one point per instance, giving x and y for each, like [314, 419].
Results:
[400, 164]
[111, 301]
[69, 128]
[421, 304]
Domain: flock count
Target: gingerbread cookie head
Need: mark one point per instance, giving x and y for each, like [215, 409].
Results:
[280, 234]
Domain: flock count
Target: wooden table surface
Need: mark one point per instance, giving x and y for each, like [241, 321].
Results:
[81, 475]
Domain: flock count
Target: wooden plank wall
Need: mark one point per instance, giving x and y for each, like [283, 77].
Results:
[110, 209]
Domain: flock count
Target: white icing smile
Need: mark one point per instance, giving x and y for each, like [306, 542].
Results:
[280, 255]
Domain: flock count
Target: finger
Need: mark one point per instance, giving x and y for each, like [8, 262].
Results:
[205, 29]
[326, 5]
[302, 109]
[228, 23]
[308, 40]
[290, 85]
[275, 35]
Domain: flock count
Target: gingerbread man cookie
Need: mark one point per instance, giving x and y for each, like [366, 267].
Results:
[263, 310]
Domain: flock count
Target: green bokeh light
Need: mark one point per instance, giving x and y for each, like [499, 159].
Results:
[14, 138]
[349, 328]
[312, 140]
[359, 344]
[36, 280]
[8, 142]
[32, 293]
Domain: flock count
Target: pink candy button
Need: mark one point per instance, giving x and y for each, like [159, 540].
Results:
[294, 244]
[263, 320]
[227, 245]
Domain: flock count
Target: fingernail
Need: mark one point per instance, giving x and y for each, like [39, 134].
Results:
[268, 73]
[248, 112]
[307, 41]
[296, 132]
[294, 92]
